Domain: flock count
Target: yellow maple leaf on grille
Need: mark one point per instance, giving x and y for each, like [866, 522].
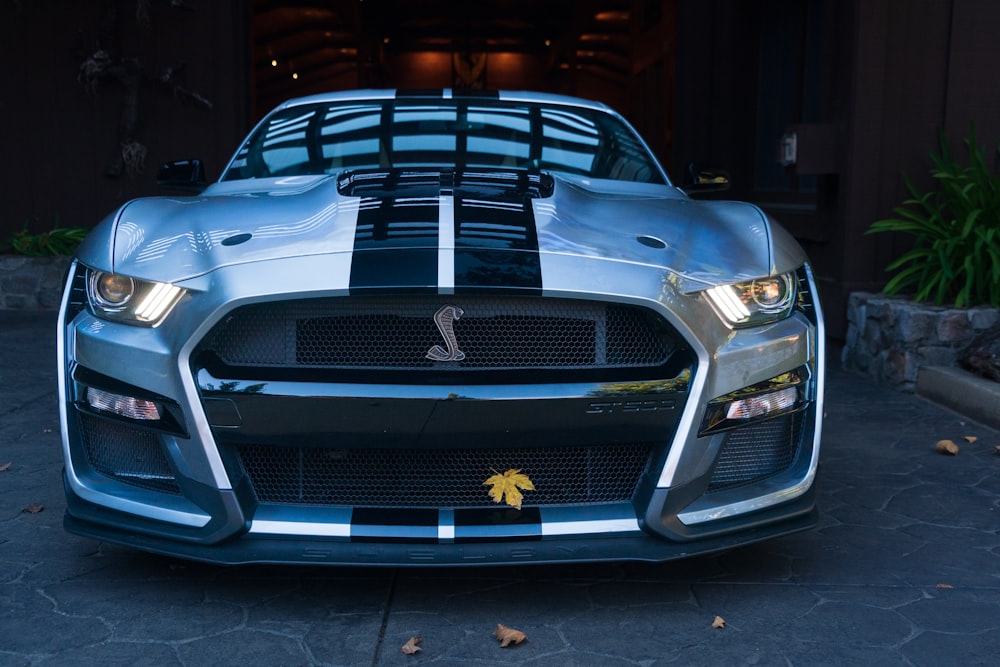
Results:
[508, 487]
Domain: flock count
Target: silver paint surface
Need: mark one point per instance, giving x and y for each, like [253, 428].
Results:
[302, 240]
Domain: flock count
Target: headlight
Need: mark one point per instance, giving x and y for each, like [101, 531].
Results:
[130, 300]
[758, 301]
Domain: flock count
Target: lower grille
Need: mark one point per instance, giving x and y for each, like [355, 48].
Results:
[441, 478]
[758, 451]
[127, 454]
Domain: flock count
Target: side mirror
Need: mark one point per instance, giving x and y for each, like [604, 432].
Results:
[700, 179]
[182, 175]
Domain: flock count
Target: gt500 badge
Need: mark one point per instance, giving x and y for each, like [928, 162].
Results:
[610, 407]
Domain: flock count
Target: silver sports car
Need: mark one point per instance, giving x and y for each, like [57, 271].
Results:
[439, 328]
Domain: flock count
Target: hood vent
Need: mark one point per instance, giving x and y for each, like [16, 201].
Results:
[485, 183]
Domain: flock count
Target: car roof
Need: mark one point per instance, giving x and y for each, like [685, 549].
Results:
[446, 94]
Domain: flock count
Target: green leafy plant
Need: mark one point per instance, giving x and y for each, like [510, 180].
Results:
[956, 229]
[57, 241]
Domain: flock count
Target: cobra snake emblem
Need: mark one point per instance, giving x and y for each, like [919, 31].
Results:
[445, 318]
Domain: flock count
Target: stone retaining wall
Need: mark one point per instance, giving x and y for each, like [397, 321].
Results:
[32, 283]
[889, 338]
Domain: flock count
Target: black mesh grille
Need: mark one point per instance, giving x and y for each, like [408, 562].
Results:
[757, 451]
[127, 454]
[441, 478]
[399, 332]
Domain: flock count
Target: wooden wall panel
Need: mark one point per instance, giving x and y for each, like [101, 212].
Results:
[59, 138]
[898, 70]
[894, 72]
[973, 66]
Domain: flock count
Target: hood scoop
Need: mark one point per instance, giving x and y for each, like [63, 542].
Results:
[486, 183]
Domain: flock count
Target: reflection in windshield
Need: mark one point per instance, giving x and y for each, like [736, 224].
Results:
[329, 138]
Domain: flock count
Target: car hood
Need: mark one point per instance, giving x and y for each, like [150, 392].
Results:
[171, 239]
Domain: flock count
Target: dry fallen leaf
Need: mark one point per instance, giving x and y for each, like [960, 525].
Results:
[34, 508]
[410, 647]
[507, 636]
[946, 447]
[509, 484]
[5, 467]
[719, 622]
[970, 439]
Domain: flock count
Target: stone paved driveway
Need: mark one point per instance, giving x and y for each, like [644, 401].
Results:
[903, 569]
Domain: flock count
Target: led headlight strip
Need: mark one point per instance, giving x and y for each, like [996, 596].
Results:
[158, 302]
[725, 299]
[754, 302]
[130, 300]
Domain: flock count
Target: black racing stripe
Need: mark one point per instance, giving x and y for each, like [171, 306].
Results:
[395, 244]
[496, 244]
[398, 270]
[477, 270]
[498, 524]
[412, 525]
[379, 516]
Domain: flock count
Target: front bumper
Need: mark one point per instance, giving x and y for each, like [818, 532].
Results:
[100, 523]
[213, 512]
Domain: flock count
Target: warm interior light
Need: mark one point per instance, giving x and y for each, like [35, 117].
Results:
[124, 406]
[612, 16]
[274, 63]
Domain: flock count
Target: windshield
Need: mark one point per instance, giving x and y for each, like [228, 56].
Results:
[329, 138]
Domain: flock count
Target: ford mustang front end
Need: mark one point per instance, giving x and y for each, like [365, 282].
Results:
[389, 299]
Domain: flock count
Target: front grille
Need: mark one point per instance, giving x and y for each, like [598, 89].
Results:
[397, 333]
[758, 451]
[441, 478]
[127, 454]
